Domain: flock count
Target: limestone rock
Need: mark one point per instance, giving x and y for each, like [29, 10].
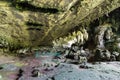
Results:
[39, 22]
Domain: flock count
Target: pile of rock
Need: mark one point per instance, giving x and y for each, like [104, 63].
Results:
[77, 55]
[105, 55]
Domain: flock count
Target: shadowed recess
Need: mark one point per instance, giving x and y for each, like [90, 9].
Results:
[38, 29]
[26, 6]
[33, 24]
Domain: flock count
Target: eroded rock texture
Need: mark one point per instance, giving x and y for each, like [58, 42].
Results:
[39, 22]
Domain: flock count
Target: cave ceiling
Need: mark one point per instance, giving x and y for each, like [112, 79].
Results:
[39, 22]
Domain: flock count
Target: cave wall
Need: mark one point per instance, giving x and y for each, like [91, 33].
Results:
[39, 22]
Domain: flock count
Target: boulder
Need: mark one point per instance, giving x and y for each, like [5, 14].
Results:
[102, 55]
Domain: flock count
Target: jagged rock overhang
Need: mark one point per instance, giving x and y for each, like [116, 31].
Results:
[111, 18]
[97, 12]
[51, 26]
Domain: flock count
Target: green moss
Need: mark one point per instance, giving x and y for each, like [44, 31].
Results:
[11, 45]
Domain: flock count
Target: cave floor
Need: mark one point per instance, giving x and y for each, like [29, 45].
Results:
[55, 69]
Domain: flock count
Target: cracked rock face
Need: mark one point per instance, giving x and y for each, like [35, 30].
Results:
[39, 22]
[59, 4]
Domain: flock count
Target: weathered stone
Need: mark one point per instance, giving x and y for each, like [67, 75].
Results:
[100, 33]
[113, 58]
[35, 73]
[113, 45]
[38, 24]
[102, 55]
[116, 53]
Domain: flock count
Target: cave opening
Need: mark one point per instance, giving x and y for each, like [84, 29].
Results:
[34, 45]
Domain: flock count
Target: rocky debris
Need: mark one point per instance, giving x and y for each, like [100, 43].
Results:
[112, 58]
[112, 44]
[45, 61]
[105, 55]
[102, 55]
[49, 65]
[66, 71]
[77, 55]
[20, 74]
[116, 54]
[106, 43]
[35, 73]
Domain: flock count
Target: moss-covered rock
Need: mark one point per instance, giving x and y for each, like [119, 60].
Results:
[39, 22]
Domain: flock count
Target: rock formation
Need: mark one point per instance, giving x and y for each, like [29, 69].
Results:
[38, 22]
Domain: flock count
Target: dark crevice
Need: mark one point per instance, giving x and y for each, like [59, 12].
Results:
[33, 24]
[1, 68]
[38, 29]
[26, 6]
[20, 74]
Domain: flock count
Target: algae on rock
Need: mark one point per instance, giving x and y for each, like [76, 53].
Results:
[41, 22]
